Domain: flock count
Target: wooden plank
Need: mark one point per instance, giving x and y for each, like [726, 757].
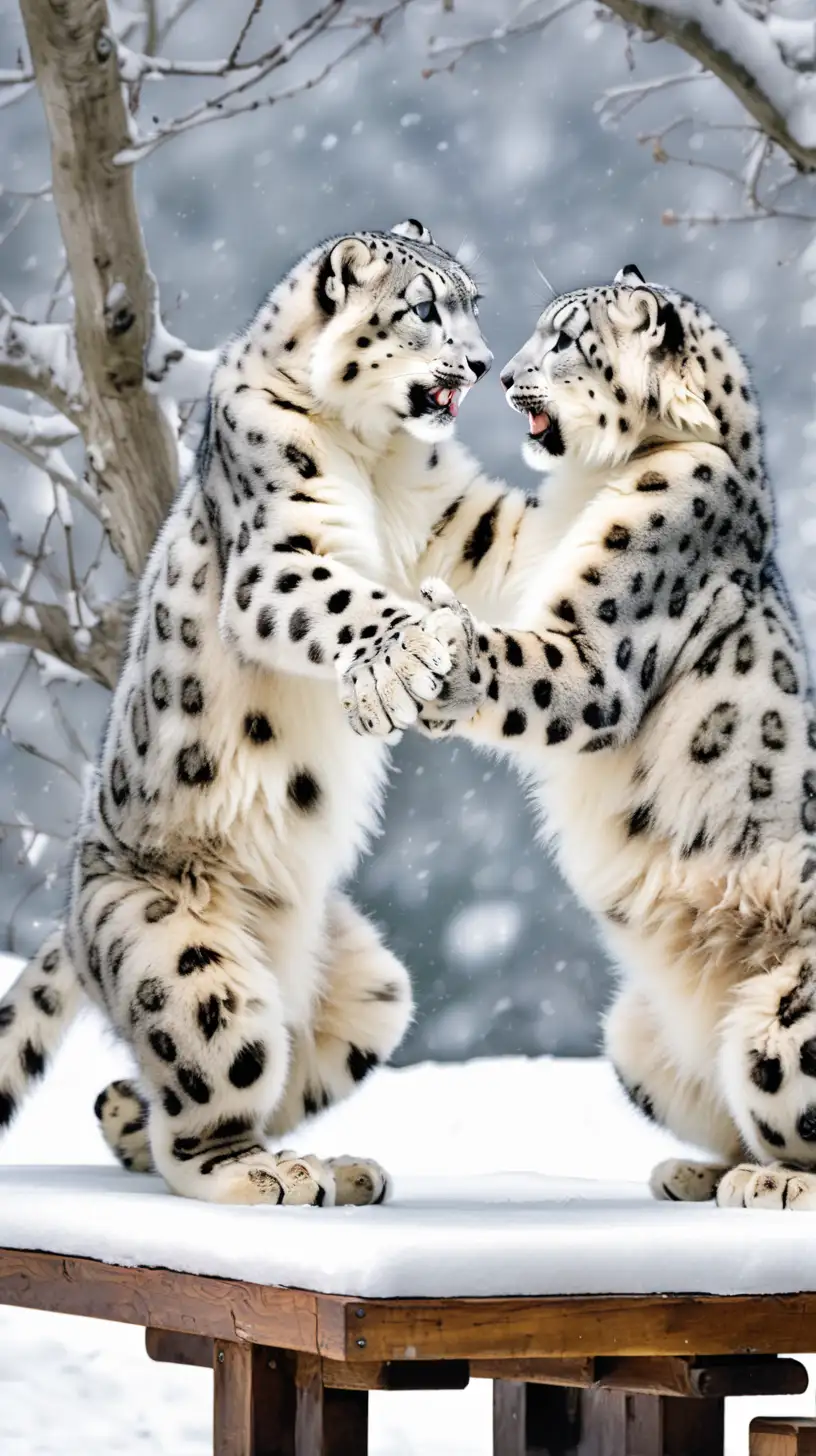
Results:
[232, 1399]
[782, 1437]
[484, 1329]
[576, 1373]
[168, 1347]
[328, 1422]
[535, 1420]
[221, 1308]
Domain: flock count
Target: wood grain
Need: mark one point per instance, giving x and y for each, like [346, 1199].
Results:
[782, 1437]
[484, 1329]
[232, 1399]
[220, 1308]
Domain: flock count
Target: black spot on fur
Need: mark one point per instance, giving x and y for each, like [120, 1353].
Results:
[192, 695]
[640, 820]
[32, 1060]
[243, 592]
[617, 538]
[299, 624]
[766, 1072]
[350, 372]
[161, 617]
[773, 730]
[360, 1063]
[807, 1057]
[514, 724]
[163, 1045]
[553, 654]
[481, 537]
[120, 786]
[194, 767]
[192, 1081]
[265, 625]
[258, 728]
[339, 601]
[647, 671]
[46, 1000]
[304, 791]
[769, 1134]
[513, 652]
[171, 1102]
[542, 693]
[760, 781]
[797, 1002]
[558, 731]
[7, 1015]
[248, 1065]
[190, 633]
[784, 674]
[809, 801]
[806, 1124]
[745, 656]
[208, 1016]
[151, 995]
[652, 481]
[8, 1107]
[304, 464]
[159, 689]
[197, 958]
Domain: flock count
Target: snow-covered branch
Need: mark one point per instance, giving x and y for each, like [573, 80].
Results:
[38, 439]
[756, 56]
[41, 358]
[242, 77]
[92, 651]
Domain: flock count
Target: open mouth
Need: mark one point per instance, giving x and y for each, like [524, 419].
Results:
[539, 424]
[545, 431]
[447, 400]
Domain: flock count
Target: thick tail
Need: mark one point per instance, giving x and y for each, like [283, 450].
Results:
[34, 1017]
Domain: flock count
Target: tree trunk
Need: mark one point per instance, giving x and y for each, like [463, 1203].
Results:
[131, 450]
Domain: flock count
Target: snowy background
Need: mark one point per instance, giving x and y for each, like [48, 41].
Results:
[506, 159]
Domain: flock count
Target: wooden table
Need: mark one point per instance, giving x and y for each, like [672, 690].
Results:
[640, 1375]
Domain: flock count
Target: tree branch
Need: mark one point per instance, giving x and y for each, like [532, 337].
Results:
[130, 447]
[42, 358]
[94, 652]
[700, 31]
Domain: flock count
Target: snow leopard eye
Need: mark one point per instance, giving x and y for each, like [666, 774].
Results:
[426, 310]
[562, 342]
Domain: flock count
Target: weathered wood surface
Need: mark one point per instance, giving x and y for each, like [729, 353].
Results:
[538, 1420]
[782, 1437]
[483, 1329]
[219, 1308]
[380, 1331]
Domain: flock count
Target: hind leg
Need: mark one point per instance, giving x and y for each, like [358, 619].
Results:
[687, 1105]
[363, 1011]
[768, 1069]
[202, 1010]
[362, 1014]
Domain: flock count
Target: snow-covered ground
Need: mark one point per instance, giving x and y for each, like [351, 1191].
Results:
[69, 1385]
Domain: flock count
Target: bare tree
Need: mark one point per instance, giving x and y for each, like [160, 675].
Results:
[104, 396]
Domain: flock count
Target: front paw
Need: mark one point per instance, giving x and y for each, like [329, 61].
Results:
[383, 696]
[465, 686]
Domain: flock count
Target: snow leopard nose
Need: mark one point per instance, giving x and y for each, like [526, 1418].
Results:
[478, 367]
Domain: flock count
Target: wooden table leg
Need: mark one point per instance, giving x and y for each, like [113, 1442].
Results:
[328, 1422]
[535, 1420]
[542, 1420]
[254, 1401]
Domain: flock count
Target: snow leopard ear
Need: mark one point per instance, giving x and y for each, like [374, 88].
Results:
[629, 273]
[347, 264]
[414, 230]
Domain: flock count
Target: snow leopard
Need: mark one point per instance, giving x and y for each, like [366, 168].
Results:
[207, 915]
[654, 689]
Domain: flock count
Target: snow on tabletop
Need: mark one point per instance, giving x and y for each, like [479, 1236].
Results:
[512, 1176]
[70, 1384]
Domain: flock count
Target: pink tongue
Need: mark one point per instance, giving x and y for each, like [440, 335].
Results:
[453, 404]
[538, 423]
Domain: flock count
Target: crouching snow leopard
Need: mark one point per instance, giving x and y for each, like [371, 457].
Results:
[231, 799]
[656, 695]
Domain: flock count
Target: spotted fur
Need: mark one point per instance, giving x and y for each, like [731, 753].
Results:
[655, 689]
[231, 798]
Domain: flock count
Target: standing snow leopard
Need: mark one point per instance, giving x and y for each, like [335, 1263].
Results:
[231, 799]
[656, 696]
